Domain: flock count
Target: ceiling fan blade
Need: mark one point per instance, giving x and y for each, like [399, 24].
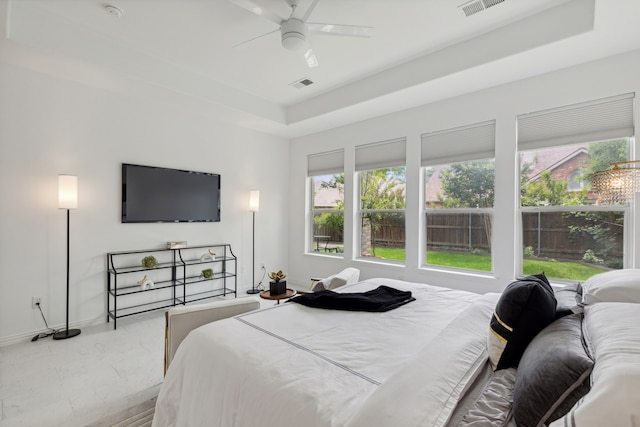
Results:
[303, 9]
[311, 59]
[258, 10]
[340, 30]
[256, 38]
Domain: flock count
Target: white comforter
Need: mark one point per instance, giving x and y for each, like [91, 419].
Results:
[295, 366]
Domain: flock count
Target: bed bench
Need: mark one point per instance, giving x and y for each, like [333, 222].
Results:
[179, 321]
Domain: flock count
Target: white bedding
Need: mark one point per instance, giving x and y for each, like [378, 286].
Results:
[292, 365]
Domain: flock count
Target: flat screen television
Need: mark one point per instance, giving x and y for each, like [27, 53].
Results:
[154, 194]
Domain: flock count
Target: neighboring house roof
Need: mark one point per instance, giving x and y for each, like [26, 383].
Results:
[434, 186]
[550, 159]
[325, 197]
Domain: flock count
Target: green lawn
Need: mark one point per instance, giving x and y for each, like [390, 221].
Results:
[555, 269]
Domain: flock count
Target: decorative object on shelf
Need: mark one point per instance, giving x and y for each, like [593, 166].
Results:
[145, 283]
[211, 256]
[67, 199]
[207, 273]
[254, 206]
[149, 261]
[278, 286]
[618, 183]
[176, 245]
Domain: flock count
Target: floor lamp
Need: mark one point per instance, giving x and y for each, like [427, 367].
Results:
[254, 205]
[67, 199]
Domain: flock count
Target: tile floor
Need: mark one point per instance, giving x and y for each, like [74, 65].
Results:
[80, 380]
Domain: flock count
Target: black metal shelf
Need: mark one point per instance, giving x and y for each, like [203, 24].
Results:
[198, 296]
[140, 308]
[198, 279]
[176, 279]
[134, 269]
[136, 289]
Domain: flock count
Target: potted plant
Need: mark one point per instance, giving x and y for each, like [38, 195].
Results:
[278, 286]
[149, 261]
[207, 273]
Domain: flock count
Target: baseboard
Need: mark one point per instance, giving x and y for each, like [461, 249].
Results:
[27, 336]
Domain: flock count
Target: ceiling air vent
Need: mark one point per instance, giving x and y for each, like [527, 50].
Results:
[301, 83]
[475, 6]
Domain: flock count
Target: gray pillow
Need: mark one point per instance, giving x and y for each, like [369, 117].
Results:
[553, 373]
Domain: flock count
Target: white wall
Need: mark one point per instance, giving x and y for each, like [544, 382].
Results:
[612, 76]
[49, 126]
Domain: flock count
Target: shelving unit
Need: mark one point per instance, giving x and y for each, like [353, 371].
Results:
[178, 278]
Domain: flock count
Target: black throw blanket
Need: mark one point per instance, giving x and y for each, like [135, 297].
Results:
[380, 299]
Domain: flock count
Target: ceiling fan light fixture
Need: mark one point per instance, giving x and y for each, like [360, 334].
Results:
[294, 35]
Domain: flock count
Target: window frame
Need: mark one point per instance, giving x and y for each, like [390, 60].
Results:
[311, 246]
[425, 211]
[626, 209]
[359, 212]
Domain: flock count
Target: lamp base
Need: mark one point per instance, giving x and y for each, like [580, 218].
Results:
[67, 333]
[253, 291]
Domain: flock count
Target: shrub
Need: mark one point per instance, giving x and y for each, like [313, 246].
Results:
[591, 258]
[528, 252]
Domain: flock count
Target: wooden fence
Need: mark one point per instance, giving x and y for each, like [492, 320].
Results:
[548, 234]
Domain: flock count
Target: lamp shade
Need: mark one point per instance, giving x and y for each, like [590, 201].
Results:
[254, 200]
[67, 192]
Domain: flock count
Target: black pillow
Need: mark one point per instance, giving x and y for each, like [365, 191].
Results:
[553, 374]
[525, 307]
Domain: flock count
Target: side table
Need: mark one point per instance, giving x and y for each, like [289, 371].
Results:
[267, 295]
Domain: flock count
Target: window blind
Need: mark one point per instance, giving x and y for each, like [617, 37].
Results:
[471, 142]
[328, 163]
[598, 120]
[379, 155]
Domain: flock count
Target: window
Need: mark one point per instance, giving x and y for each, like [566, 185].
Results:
[565, 232]
[326, 181]
[576, 181]
[458, 171]
[382, 191]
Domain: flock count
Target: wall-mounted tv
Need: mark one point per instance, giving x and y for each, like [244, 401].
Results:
[154, 194]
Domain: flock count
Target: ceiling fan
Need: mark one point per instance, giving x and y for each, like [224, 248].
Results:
[294, 29]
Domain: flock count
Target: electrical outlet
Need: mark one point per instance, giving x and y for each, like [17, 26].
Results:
[35, 301]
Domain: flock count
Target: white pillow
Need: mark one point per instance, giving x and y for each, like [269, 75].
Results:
[612, 286]
[614, 399]
[345, 277]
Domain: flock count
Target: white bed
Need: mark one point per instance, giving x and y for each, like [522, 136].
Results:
[422, 364]
[292, 365]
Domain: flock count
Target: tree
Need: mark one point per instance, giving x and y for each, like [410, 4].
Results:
[469, 185]
[381, 189]
[547, 191]
[603, 153]
[606, 228]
